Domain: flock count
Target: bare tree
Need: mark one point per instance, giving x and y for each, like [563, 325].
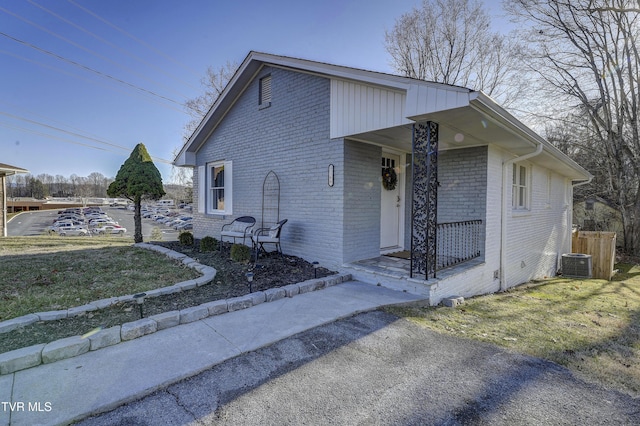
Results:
[585, 53]
[451, 42]
[60, 186]
[213, 84]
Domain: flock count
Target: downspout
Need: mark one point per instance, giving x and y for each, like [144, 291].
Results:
[503, 214]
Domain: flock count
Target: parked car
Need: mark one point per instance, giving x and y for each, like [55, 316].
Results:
[93, 226]
[70, 211]
[67, 216]
[71, 230]
[95, 216]
[61, 223]
[167, 219]
[109, 229]
[102, 221]
[181, 220]
[187, 225]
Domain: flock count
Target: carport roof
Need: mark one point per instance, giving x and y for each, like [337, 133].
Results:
[7, 170]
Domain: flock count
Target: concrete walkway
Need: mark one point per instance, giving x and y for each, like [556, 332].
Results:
[71, 389]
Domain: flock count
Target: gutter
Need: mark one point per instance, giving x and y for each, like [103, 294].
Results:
[503, 214]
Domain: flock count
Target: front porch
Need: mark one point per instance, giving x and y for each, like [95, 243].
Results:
[458, 251]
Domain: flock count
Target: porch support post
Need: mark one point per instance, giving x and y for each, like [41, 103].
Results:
[424, 199]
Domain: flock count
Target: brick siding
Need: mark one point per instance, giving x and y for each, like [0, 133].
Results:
[290, 137]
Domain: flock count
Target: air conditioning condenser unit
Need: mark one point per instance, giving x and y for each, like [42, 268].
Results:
[576, 265]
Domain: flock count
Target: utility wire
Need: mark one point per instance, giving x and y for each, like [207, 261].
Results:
[50, 136]
[81, 132]
[58, 129]
[93, 81]
[107, 42]
[74, 63]
[79, 46]
[142, 42]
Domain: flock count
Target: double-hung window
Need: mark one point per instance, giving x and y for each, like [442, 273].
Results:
[520, 187]
[215, 181]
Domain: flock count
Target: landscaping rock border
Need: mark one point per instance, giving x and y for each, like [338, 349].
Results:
[208, 274]
[32, 356]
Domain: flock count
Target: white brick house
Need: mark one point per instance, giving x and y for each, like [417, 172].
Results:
[499, 193]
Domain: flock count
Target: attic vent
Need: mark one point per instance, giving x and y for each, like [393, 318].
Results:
[265, 91]
[576, 265]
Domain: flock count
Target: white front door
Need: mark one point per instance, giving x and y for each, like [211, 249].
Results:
[390, 207]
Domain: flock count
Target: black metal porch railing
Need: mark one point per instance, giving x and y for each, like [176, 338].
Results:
[457, 242]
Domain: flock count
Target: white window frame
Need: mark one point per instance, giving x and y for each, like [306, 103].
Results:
[207, 190]
[521, 187]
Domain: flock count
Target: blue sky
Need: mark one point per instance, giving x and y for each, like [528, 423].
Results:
[84, 81]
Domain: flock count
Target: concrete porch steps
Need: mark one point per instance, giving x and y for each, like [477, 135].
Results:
[389, 272]
[394, 273]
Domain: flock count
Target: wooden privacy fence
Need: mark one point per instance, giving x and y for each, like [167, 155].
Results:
[602, 248]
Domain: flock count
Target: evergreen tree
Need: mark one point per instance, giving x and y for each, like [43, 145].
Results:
[137, 179]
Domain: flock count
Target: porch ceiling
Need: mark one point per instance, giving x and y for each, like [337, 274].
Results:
[467, 127]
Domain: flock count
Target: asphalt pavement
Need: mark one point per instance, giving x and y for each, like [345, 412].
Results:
[377, 369]
[34, 223]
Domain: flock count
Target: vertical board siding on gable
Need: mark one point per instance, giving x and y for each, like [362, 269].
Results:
[357, 108]
[290, 137]
[423, 99]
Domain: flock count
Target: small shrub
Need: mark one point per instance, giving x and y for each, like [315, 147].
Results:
[208, 244]
[186, 239]
[240, 253]
[156, 234]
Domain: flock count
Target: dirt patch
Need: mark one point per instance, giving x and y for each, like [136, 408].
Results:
[271, 271]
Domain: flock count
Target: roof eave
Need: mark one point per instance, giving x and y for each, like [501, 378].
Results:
[489, 107]
[8, 170]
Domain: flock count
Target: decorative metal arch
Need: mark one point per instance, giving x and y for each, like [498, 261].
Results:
[270, 200]
[424, 199]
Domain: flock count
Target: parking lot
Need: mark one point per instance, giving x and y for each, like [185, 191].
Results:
[36, 223]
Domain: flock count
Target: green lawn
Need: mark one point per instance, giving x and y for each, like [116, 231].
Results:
[45, 273]
[589, 326]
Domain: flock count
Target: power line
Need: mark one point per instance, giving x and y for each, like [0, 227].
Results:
[107, 42]
[79, 46]
[61, 130]
[142, 42]
[74, 63]
[77, 76]
[88, 137]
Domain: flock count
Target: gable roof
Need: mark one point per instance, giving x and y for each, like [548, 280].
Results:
[458, 110]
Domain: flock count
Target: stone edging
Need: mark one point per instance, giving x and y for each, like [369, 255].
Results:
[32, 356]
[208, 274]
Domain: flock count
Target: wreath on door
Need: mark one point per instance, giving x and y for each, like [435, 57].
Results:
[389, 179]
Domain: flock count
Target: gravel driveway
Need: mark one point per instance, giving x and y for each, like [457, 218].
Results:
[376, 369]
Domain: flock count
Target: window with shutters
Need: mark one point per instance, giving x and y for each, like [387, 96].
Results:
[265, 92]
